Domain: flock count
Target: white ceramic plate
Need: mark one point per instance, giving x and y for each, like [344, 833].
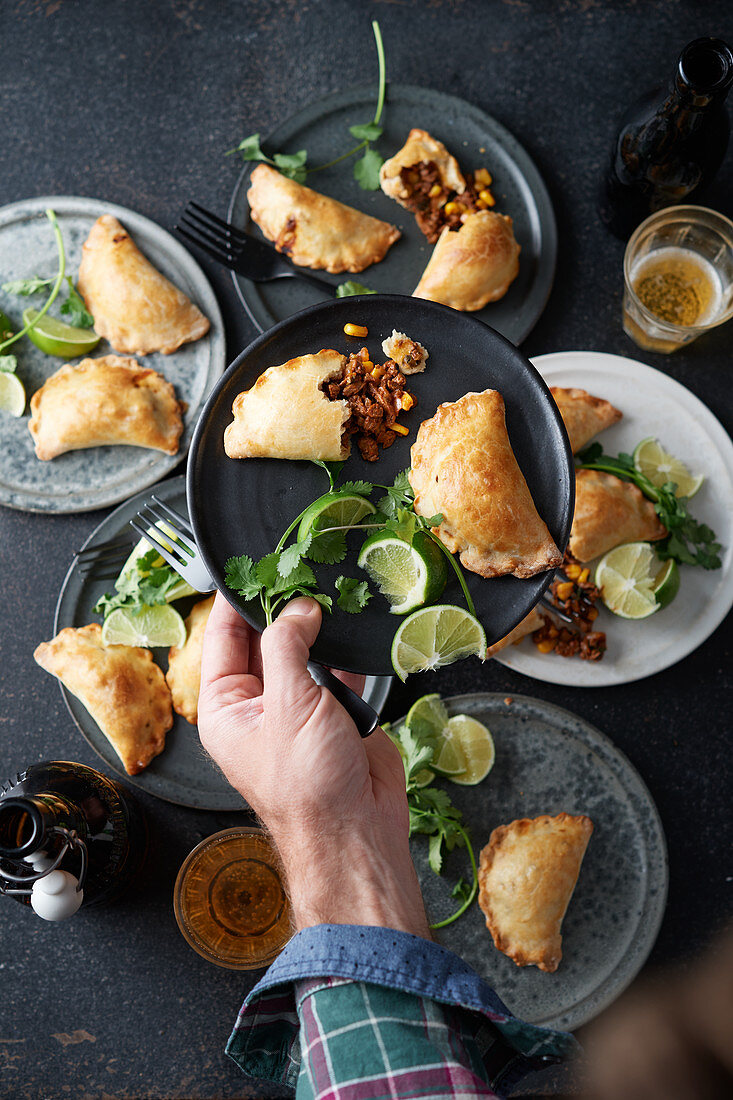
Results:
[80, 481]
[653, 405]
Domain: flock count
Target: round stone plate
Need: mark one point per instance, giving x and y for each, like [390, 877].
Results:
[474, 138]
[549, 760]
[80, 481]
[183, 773]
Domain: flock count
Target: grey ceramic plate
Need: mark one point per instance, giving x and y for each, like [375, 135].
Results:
[473, 137]
[80, 481]
[182, 773]
[548, 761]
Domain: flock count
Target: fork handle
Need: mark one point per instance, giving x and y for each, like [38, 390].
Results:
[364, 717]
[322, 284]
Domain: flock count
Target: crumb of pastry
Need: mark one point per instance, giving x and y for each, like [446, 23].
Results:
[410, 356]
[508, 701]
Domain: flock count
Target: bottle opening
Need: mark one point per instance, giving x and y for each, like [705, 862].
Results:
[707, 65]
[19, 825]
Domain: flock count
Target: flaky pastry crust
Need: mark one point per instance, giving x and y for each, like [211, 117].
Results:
[473, 265]
[420, 146]
[583, 414]
[184, 665]
[609, 511]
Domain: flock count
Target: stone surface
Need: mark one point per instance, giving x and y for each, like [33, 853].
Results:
[136, 103]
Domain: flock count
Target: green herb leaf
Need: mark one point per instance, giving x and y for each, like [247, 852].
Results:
[74, 308]
[366, 170]
[290, 558]
[25, 287]
[404, 525]
[435, 855]
[359, 488]
[292, 165]
[462, 890]
[350, 287]
[241, 577]
[328, 548]
[353, 594]
[8, 363]
[249, 149]
[302, 576]
[367, 131]
[333, 469]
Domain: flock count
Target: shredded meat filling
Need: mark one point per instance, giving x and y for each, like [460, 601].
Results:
[576, 596]
[375, 395]
[421, 180]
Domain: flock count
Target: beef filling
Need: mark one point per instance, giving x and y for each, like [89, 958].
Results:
[429, 209]
[374, 403]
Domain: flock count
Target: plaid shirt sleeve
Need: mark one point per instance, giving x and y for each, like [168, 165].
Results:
[347, 1011]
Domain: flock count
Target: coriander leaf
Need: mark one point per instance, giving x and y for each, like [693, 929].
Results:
[353, 594]
[431, 521]
[266, 569]
[24, 287]
[75, 309]
[241, 577]
[8, 363]
[249, 149]
[333, 469]
[435, 855]
[590, 454]
[366, 170]
[319, 597]
[345, 290]
[292, 165]
[300, 577]
[462, 890]
[359, 488]
[328, 548]
[366, 131]
[399, 494]
[403, 525]
[290, 558]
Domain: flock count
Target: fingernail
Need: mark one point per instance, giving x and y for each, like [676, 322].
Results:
[299, 606]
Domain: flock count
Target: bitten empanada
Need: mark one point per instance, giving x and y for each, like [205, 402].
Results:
[134, 307]
[583, 414]
[313, 229]
[287, 415]
[121, 686]
[472, 266]
[463, 467]
[420, 148]
[531, 622]
[184, 665]
[101, 401]
[609, 511]
[527, 875]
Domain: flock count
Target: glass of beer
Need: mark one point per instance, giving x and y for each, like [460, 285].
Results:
[678, 277]
[229, 900]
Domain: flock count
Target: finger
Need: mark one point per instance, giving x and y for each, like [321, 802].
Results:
[285, 651]
[227, 648]
[352, 679]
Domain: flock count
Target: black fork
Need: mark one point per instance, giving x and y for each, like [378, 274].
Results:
[239, 251]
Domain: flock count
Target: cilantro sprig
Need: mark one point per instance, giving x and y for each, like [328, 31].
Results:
[366, 169]
[73, 306]
[149, 583]
[55, 288]
[688, 542]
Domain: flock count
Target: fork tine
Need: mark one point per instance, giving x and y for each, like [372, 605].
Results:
[199, 214]
[162, 549]
[180, 520]
[211, 235]
[221, 255]
[149, 510]
[102, 549]
[92, 567]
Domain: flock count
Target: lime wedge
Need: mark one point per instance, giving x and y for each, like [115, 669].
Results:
[666, 583]
[150, 626]
[178, 591]
[334, 510]
[57, 338]
[12, 394]
[468, 751]
[407, 575]
[436, 636]
[659, 466]
[427, 717]
[626, 577]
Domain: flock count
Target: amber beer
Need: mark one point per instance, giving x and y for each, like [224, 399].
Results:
[229, 900]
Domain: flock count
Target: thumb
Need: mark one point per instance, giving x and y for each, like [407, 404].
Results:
[285, 652]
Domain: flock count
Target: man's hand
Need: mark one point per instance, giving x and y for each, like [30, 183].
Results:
[334, 803]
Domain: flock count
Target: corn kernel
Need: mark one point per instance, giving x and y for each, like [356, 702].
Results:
[584, 576]
[400, 429]
[454, 208]
[592, 614]
[367, 364]
[481, 205]
[482, 177]
[572, 571]
[564, 590]
[487, 197]
[406, 401]
[356, 330]
[376, 373]
[435, 191]
[546, 646]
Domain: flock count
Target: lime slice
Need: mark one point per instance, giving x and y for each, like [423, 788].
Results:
[436, 636]
[407, 575]
[626, 577]
[57, 338]
[178, 591]
[12, 394]
[468, 751]
[659, 466]
[150, 626]
[666, 583]
[334, 510]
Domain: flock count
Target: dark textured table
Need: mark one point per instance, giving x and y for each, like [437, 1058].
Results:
[135, 103]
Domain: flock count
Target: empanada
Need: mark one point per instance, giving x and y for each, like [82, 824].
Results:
[134, 307]
[463, 467]
[583, 414]
[105, 400]
[420, 148]
[609, 511]
[121, 686]
[286, 415]
[313, 229]
[473, 265]
[531, 622]
[184, 665]
[527, 875]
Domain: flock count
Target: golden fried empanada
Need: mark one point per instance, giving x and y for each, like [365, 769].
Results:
[184, 665]
[286, 415]
[120, 685]
[105, 400]
[609, 511]
[528, 625]
[420, 148]
[473, 265]
[527, 875]
[463, 467]
[134, 307]
[583, 414]
[313, 229]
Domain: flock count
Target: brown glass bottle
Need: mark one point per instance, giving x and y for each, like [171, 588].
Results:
[51, 799]
[672, 141]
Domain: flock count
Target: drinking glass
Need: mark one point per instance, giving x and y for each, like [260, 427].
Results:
[678, 277]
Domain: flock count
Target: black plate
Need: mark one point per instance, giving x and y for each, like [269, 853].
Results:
[244, 506]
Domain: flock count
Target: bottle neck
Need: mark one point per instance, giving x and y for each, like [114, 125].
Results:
[704, 73]
[26, 822]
